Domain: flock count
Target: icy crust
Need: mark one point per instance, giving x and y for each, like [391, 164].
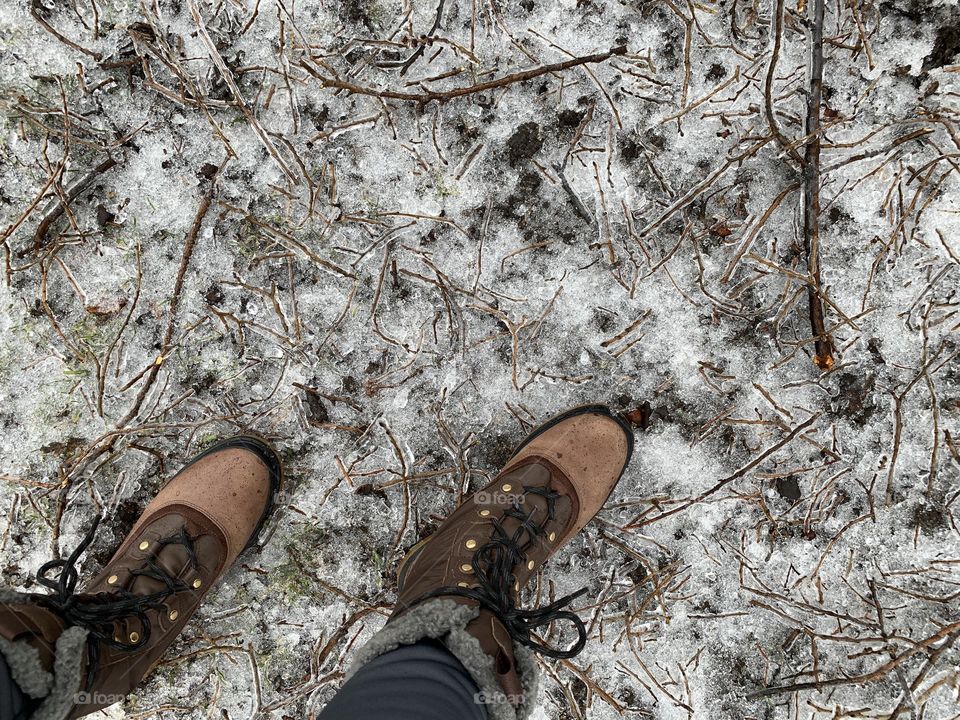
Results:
[396, 291]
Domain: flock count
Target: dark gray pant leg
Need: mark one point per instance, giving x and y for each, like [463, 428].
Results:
[414, 682]
[14, 705]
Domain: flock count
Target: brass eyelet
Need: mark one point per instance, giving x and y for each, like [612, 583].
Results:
[197, 583]
[552, 536]
[466, 567]
[134, 636]
[531, 565]
[173, 615]
[506, 487]
[484, 513]
[470, 544]
[112, 580]
[463, 584]
[144, 545]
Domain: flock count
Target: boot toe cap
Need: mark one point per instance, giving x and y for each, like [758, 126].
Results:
[232, 484]
[592, 448]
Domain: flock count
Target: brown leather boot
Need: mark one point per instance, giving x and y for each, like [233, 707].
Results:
[461, 584]
[79, 651]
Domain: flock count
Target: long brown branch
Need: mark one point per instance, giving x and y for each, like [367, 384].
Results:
[40, 236]
[811, 197]
[782, 442]
[441, 95]
[189, 243]
[946, 631]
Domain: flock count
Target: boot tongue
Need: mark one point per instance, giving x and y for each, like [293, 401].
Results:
[532, 475]
[172, 559]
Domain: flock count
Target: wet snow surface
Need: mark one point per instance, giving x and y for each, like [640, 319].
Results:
[396, 289]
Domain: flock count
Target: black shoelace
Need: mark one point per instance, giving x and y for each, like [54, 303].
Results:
[97, 613]
[493, 564]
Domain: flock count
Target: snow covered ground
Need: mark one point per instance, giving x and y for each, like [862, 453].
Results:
[284, 216]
